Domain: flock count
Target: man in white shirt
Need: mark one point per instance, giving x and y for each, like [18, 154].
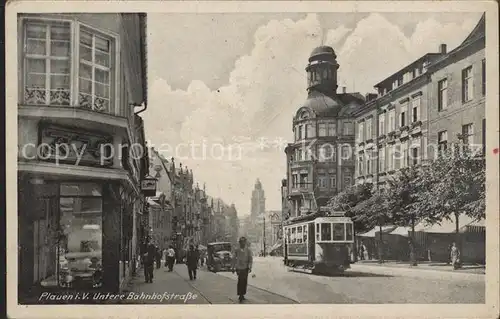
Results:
[171, 258]
[242, 264]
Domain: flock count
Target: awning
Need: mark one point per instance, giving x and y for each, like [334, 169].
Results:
[402, 231]
[376, 229]
[446, 226]
[278, 245]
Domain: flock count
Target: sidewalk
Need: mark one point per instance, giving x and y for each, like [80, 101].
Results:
[426, 265]
[209, 288]
[164, 283]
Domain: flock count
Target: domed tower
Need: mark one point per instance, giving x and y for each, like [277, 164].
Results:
[320, 161]
[322, 71]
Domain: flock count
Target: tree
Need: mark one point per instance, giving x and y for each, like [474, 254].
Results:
[374, 211]
[407, 201]
[458, 186]
[349, 198]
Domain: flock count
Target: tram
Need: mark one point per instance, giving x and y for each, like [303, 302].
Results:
[321, 245]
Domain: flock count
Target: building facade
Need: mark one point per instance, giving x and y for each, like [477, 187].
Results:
[457, 94]
[320, 161]
[91, 68]
[433, 101]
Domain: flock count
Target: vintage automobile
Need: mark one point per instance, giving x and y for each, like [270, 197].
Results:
[219, 256]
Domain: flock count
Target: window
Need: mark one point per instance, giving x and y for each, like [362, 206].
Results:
[346, 152]
[415, 156]
[326, 232]
[415, 109]
[301, 132]
[468, 134]
[397, 153]
[303, 180]
[402, 115]
[338, 231]
[310, 131]
[467, 85]
[333, 181]
[442, 94]
[349, 231]
[322, 181]
[317, 233]
[381, 160]
[322, 129]
[404, 154]
[348, 130]
[368, 163]
[47, 63]
[360, 166]
[95, 72]
[361, 131]
[326, 153]
[299, 235]
[294, 237]
[392, 122]
[332, 129]
[347, 180]
[369, 129]
[442, 141]
[295, 181]
[483, 76]
[381, 124]
[390, 157]
[48, 78]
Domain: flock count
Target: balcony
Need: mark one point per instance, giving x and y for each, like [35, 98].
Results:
[299, 188]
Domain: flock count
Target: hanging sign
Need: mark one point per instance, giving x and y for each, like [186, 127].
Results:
[148, 186]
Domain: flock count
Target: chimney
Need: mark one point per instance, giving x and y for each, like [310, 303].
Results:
[442, 48]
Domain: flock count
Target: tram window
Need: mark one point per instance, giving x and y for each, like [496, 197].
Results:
[288, 239]
[348, 234]
[326, 232]
[304, 237]
[294, 238]
[299, 235]
[338, 231]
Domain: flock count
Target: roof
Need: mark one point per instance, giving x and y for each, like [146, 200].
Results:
[476, 34]
[322, 50]
[448, 226]
[408, 67]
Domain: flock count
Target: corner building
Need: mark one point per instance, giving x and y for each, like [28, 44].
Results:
[320, 160]
[82, 83]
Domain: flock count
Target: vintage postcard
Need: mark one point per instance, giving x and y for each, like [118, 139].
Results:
[299, 159]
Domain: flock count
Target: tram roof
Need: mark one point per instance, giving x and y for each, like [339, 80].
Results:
[332, 219]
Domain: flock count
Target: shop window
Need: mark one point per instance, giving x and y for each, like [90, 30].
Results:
[80, 244]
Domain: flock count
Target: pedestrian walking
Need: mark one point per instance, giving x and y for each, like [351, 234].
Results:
[455, 256]
[158, 257]
[149, 259]
[242, 264]
[192, 262]
[170, 258]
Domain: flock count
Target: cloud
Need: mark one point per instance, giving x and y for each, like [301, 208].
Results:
[265, 89]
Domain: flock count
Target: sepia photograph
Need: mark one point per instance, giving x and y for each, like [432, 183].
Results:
[197, 156]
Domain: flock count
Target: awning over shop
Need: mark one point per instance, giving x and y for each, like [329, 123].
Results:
[466, 224]
[376, 229]
[402, 231]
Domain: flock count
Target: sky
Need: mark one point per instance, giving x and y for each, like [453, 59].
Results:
[223, 88]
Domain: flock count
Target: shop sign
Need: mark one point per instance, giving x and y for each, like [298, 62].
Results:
[78, 147]
[148, 186]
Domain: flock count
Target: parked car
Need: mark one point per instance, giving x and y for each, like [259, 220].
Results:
[219, 256]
